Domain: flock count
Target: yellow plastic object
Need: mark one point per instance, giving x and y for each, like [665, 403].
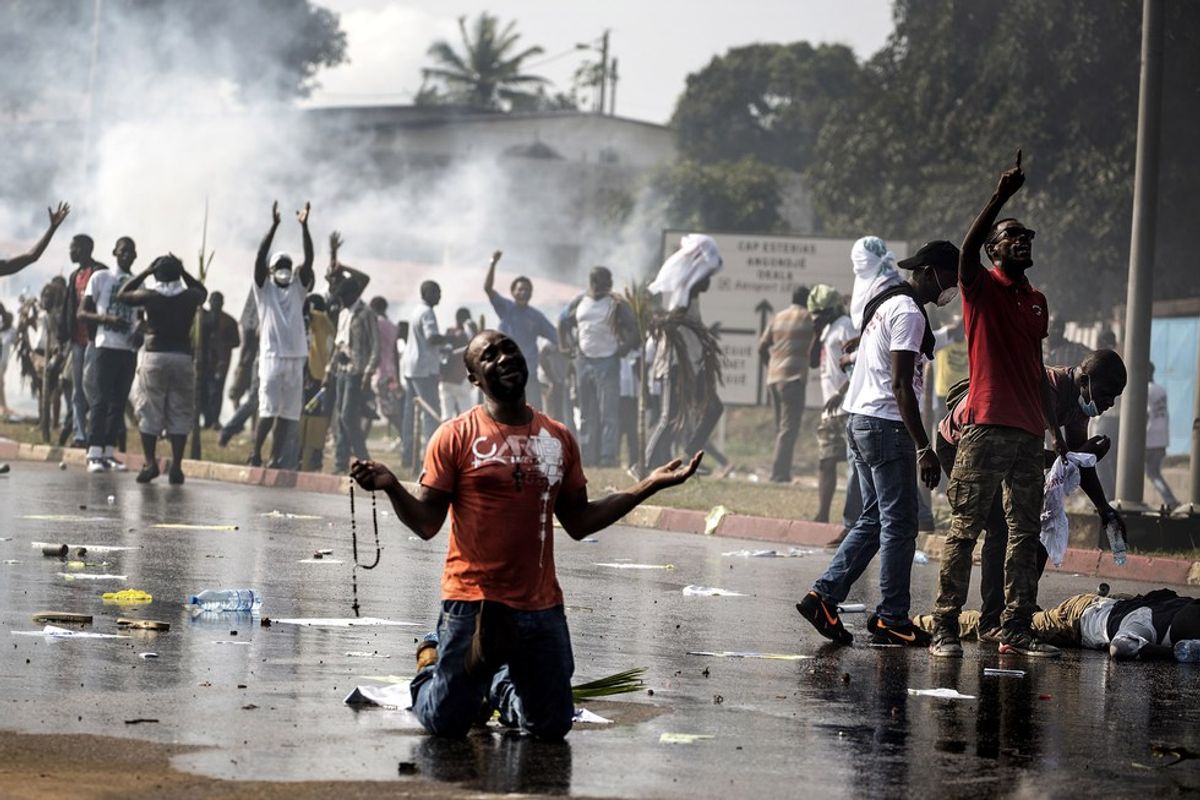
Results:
[127, 597]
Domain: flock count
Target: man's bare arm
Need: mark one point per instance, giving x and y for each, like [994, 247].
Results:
[969, 265]
[264, 248]
[307, 278]
[903, 368]
[489, 283]
[15, 264]
[423, 513]
[581, 517]
[132, 293]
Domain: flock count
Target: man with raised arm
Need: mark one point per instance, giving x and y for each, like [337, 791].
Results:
[11, 266]
[502, 640]
[283, 343]
[1008, 407]
[524, 323]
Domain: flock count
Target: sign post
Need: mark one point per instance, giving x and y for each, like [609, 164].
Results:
[759, 273]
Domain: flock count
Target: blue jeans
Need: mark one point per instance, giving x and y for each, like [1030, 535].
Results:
[348, 416]
[532, 692]
[885, 459]
[427, 389]
[599, 386]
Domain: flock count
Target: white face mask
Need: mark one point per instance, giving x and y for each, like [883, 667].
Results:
[947, 295]
[283, 277]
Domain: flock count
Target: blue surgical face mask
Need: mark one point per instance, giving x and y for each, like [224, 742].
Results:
[1089, 407]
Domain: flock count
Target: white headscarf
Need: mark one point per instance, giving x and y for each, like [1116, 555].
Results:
[696, 259]
[874, 271]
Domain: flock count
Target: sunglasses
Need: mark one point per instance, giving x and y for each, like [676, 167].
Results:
[1015, 233]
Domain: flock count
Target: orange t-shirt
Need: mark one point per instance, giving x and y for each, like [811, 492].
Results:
[502, 526]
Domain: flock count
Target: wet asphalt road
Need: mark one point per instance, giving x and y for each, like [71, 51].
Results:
[839, 724]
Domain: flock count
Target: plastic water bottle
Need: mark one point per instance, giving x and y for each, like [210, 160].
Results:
[313, 405]
[1188, 651]
[227, 600]
[1116, 542]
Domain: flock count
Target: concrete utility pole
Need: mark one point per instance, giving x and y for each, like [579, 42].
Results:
[603, 70]
[1195, 482]
[1132, 440]
[612, 99]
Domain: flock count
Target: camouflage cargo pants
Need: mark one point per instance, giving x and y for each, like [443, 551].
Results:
[991, 456]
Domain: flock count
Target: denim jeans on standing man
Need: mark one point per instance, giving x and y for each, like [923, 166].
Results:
[885, 459]
[532, 692]
[348, 416]
[599, 384]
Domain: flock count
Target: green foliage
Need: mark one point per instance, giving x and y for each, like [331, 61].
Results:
[486, 71]
[768, 101]
[264, 49]
[618, 683]
[961, 85]
[740, 195]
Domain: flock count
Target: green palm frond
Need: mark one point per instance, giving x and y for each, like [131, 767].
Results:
[618, 683]
[485, 69]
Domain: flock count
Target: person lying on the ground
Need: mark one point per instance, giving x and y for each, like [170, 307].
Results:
[11, 266]
[1145, 626]
[502, 471]
[1080, 393]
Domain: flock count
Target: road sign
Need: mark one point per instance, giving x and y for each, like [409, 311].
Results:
[759, 273]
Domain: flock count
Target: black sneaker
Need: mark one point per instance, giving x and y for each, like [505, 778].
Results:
[905, 634]
[1023, 644]
[945, 645]
[824, 618]
[148, 472]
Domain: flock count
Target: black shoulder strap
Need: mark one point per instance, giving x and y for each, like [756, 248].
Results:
[906, 290]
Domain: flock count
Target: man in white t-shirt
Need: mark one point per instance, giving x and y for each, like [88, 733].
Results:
[1158, 436]
[602, 328]
[116, 355]
[889, 442]
[283, 341]
[421, 367]
[833, 329]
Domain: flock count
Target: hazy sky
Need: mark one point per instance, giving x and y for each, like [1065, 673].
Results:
[657, 42]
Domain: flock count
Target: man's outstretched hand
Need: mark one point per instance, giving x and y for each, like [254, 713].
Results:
[372, 476]
[58, 215]
[673, 473]
[302, 214]
[275, 212]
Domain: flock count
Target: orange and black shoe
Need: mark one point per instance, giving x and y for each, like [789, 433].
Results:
[905, 634]
[824, 617]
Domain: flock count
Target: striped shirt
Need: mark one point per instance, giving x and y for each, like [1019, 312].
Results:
[788, 338]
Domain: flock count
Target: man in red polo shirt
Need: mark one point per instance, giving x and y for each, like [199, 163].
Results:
[1008, 407]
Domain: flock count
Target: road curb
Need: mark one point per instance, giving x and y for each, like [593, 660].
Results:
[1085, 561]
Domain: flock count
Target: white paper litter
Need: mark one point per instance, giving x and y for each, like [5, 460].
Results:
[341, 622]
[395, 695]
[852, 608]
[91, 576]
[55, 632]
[320, 561]
[623, 565]
[792, 552]
[365, 654]
[709, 591]
[11, 561]
[684, 738]
[230, 641]
[65, 518]
[583, 715]
[749, 654]
[91, 548]
[277, 514]
[147, 655]
[941, 694]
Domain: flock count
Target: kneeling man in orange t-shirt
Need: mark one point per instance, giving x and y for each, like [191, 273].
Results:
[502, 470]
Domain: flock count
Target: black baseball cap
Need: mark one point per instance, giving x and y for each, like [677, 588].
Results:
[932, 254]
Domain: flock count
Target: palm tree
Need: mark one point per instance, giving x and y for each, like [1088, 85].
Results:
[487, 72]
